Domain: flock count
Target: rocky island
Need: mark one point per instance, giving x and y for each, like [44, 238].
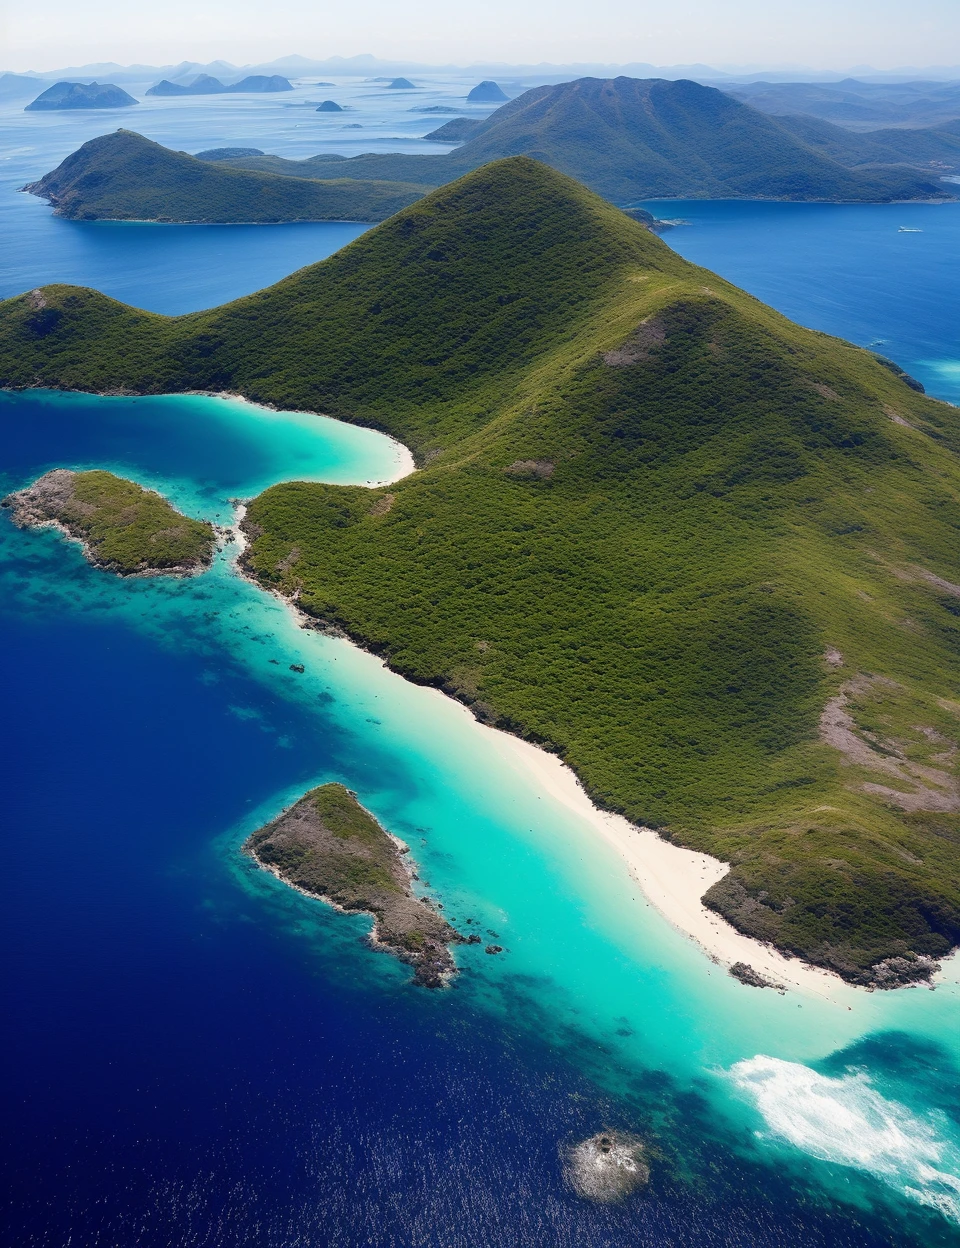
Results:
[328, 846]
[123, 527]
[70, 95]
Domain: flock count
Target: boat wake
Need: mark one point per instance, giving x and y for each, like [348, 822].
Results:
[846, 1121]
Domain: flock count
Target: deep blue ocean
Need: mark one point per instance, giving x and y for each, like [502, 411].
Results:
[194, 1055]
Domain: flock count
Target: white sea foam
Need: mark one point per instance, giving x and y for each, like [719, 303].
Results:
[847, 1122]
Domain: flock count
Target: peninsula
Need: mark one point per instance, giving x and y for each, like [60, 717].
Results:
[123, 527]
[328, 846]
[705, 556]
[125, 177]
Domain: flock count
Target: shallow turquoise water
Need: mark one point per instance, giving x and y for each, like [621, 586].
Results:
[846, 1099]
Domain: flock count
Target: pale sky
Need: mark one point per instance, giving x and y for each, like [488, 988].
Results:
[823, 34]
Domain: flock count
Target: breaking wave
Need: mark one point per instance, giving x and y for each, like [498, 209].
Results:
[847, 1122]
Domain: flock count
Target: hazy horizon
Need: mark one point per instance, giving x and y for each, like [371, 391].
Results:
[820, 36]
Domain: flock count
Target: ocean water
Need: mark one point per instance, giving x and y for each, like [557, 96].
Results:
[197, 1055]
[881, 275]
[194, 1055]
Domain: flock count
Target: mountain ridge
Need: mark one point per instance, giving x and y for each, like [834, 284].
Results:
[706, 556]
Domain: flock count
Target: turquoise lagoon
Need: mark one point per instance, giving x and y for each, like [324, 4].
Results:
[165, 991]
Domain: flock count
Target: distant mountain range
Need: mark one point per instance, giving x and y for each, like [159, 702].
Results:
[631, 139]
[365, 65]
[857, 105]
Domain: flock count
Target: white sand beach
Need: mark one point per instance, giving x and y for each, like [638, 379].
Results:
[674, 880]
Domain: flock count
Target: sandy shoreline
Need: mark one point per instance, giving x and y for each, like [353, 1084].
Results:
[673, 879]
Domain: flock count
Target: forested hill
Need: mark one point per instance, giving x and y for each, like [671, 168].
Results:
[707, 556]
[630, 139]
[125, 177]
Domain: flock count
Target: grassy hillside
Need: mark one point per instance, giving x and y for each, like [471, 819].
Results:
[124, 177]
[629, 139]
[708, 557]
[936, 150]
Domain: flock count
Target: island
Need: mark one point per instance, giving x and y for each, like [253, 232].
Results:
[125, 177]
[400, 84]
[329, 106]
[73, 95]
[632, 139]
[486, 92]
[328, 846]
[704, 556]
[122, 527]
[205, 84]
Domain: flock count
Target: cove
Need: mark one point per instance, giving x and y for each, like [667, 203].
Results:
[197, 1048]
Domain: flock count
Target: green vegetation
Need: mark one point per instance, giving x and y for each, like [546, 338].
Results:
[629, 139]
[125, 177]
[123, 527]
[657, 528]
[328, 845]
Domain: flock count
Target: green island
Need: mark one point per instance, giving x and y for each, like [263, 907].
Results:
[646, 138]
[125, 177]
[706, 556]
[123, 527]
[327, 845]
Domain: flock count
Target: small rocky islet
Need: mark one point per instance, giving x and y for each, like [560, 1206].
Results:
[123, 527]
[328, 846]
[608, 1166]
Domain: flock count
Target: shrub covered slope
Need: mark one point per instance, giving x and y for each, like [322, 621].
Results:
[707, 556]
[125, 177]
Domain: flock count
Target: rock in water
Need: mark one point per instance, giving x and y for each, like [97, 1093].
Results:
[608, 1166]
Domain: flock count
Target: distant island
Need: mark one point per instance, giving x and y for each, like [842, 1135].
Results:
[329, 106]
[327, 845]
[125, 177]
[631, 139]
[70, 95]
[400, 84]
[123, 527]
[204, 84]
[487, 93]
[704, 555]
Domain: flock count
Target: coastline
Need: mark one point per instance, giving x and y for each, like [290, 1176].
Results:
[672, 879]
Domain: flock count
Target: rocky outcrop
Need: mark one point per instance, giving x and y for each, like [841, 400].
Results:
[608, 1166]
[328, 846]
